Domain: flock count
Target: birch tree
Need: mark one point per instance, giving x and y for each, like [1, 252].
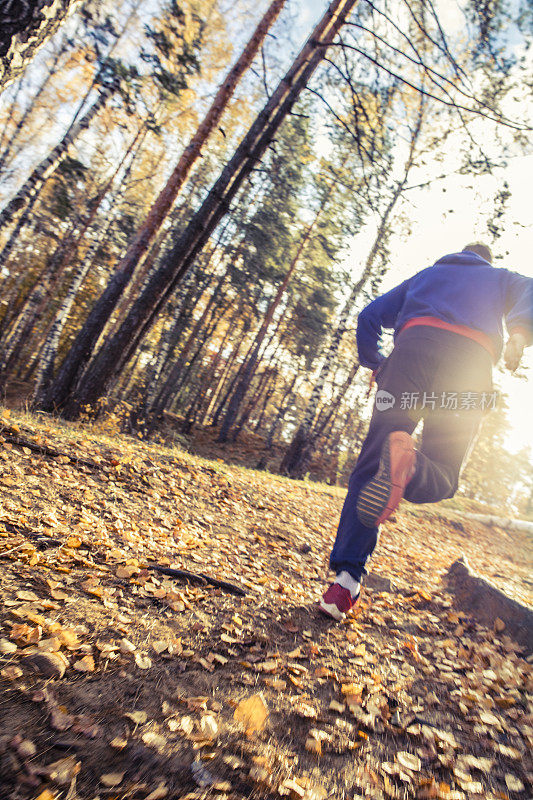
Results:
[301, 448]
[24, 200]
[119, 348]
[162, 205]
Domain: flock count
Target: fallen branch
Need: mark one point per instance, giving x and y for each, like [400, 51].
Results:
[44, 450]
[11, 550]
[501, 522]
[41, 540]
[199, 577]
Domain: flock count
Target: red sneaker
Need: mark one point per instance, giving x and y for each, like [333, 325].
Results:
[337, 602]
[383, 493]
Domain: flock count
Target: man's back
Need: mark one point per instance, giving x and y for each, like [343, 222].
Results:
[463, 292]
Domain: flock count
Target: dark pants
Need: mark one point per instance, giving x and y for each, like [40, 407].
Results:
[428, 373]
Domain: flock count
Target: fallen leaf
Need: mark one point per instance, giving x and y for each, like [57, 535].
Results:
[252, 713]
[158, 793]
[69, 638]
[488, 718]
[63, 770]
[26, 749]
[60, 719]
[138, 717]
[85, 664]
[31, 597]
[187, 725]
[313, 746]
[58, 594]
[91, 586]
[11, 673]
[513, 783]
[153, 739]
[112, 779]
[209, 726]
[118, 743]
[142, 661]
[409, 760]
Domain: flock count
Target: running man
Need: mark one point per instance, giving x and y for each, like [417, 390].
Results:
[448, 333]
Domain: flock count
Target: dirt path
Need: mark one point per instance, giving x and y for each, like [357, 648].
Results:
[119, 683]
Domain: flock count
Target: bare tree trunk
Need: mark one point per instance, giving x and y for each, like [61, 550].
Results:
[167, 196]
[177, 390]
[251, 365]
[18, 127]
[89, 258]
[238, 425]
[194, 409]
[301, 448]
[4, 136]
[173, 381]
[181, 315]
[27, 194]
[327, 416]
[231, 383]
[39, 298]
[24, 27]
[118, 349]
[49, 350]
[278, 419]
[106, 304]
[266, 400]
[14, 237]
[212, 383]
[300, 451]
[169, 342]
[264, 380]
[70, 246]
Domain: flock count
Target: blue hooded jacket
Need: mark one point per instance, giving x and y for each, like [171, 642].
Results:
[459, 289]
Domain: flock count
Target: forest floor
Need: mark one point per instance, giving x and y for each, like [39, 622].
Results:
[120, 682]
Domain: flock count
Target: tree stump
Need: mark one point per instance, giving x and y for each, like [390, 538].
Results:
[486, 603]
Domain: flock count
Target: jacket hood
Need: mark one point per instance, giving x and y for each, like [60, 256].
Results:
[464, 257]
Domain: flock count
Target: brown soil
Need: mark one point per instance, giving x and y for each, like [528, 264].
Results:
[249, 450]
[429, 704]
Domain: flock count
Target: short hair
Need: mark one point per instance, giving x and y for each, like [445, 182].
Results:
[480, 249]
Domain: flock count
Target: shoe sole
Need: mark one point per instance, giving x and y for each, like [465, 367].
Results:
[383, 493]
[331, 610]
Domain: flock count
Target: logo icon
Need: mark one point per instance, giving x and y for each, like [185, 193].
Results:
[384, 400]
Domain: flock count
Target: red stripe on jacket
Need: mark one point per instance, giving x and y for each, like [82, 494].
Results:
[463, 330]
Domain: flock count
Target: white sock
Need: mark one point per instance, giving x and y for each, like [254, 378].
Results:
[345, 580]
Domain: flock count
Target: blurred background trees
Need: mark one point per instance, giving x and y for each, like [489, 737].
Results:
[249, 347]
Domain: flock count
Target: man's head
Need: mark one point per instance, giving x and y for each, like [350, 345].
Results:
[480, 250]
